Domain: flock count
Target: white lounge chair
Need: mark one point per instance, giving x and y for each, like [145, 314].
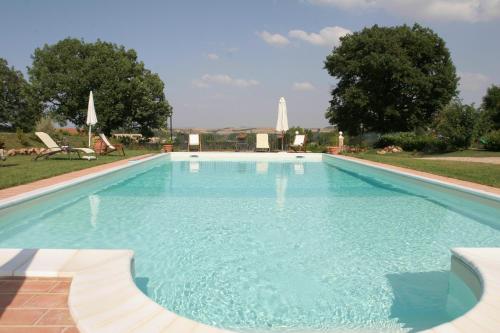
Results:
[262, 142]
[109, 147]
[54, 148]
[299, 143]
[194, 140]
[2, 155]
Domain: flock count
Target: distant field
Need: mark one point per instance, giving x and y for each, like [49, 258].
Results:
[481, 173]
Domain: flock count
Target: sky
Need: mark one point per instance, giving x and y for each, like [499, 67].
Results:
[227, 62]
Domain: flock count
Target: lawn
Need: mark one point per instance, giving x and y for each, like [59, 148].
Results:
[482, 173]
[17, 170]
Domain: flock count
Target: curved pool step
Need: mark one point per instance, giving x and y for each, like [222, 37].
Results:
[104, 298]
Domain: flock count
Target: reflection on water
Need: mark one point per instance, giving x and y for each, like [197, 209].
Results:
[262, 167]
[94, 202]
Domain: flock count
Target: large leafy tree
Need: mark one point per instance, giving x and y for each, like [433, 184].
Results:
[126, 94]
[17, 107]
[390, 79]
[491, 107]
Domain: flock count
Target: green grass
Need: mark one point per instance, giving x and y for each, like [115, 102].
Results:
[481, 173]
[468, 153]
[17, 170]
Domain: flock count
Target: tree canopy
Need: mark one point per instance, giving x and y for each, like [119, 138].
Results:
[390, 79]
[126, 94]
[17, 108]
[491, 107]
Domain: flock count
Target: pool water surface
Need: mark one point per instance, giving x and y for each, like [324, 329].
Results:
[258, 246]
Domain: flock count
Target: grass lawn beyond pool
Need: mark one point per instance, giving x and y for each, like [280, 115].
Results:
[17, 170]
[481, 173]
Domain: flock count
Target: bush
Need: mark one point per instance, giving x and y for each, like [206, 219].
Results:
[46, 125]
[456, 125]
[410, 141]
[492, 141]
[22, 138]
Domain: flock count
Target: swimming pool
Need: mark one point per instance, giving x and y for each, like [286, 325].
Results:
[265, 246]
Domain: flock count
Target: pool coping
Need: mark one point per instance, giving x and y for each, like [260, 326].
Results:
[462, 185]
[32, 194]
[97, 302]
[103, 297]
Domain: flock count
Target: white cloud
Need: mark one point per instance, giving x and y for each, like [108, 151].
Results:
[440, 10]
[223, 79]
[273, 39]
[212, 56]
[328, 36]
[302, 86]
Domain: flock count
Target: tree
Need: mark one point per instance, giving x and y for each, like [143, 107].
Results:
[17, 108]
[455, 123]
[390, 79]
[126, 94]
[491, 108]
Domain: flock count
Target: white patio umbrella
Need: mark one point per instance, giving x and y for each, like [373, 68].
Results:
[282, 123]
[91, 116]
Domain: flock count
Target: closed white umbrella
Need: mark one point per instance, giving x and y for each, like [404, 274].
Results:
[91, 116]
[282, 123]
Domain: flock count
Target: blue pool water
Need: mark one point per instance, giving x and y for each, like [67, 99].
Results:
[274, 246]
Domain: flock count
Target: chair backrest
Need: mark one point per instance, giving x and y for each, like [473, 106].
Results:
[47, 140]
[106, 141]
[299, 140]
[262, 141]
[194, 139]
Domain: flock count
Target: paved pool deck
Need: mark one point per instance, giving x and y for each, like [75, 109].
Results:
[35, 305]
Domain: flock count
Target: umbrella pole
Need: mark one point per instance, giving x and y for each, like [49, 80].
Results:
[282, 140]
[90, 133]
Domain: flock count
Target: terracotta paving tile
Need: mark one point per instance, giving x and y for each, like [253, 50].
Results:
[61, 287]
[26, 286]
[71, 330]
[16, 190]
[47, 301]
[20, 316]
[34, 329]
[56, 317]
[41, 307]
[13, 300]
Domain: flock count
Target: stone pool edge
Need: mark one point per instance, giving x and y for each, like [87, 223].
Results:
[19, 198]
[103, 296]
[479, 268]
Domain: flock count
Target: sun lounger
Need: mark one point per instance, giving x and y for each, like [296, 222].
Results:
[262, 142]
[109, 147]
[299, 143]
[194, 140]
[54, 148]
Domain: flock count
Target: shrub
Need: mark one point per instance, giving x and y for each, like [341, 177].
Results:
[22, 138]
[46, 125]
[492, 141]
[410, 141]
[456, 125]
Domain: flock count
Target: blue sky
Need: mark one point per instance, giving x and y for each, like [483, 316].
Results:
[226, 63]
